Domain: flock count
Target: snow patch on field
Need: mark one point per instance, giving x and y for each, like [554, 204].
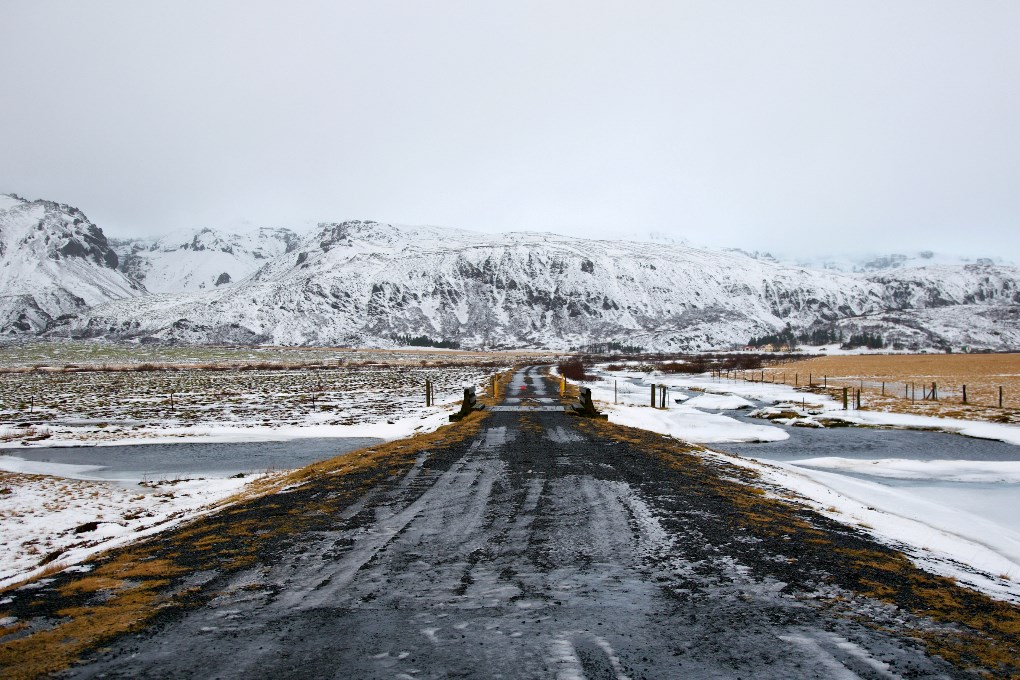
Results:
[65, 521]
[977, 552]
[43, 503]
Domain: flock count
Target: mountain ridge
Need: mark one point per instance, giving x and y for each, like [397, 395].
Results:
[362, 282]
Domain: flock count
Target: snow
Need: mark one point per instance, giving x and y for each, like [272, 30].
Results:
[951, 517]
[365, 281]
[194, 261]
[47, 501]
[40, 514]
[688, 420]
[692, 425]
[720, 402]
[977, 551]
[38, 281]
[972, 471]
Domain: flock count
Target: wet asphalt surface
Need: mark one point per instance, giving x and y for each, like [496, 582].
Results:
[537, 549]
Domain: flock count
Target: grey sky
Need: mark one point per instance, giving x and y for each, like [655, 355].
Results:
[809, 126]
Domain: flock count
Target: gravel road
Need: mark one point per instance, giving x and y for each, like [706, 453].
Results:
[539, 548]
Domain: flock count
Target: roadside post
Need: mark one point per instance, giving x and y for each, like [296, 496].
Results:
[844, 399]
[428, 392]
[964, 394]
[653, 395]
[469, 404]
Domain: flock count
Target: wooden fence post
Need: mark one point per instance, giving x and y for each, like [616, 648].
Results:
[1000, 396]
[964, 394]
[653, 395]
[844, 399]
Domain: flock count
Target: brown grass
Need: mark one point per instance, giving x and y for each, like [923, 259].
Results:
[974, 632]
[130, 584]
[981, 373]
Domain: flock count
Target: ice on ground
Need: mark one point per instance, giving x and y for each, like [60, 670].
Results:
[972, 471]
[686, 420]
[938, 512]
[634, 389]
[718, 402]
[692, 425]
[977, 552]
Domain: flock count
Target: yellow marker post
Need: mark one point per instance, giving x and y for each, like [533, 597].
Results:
[563, 386]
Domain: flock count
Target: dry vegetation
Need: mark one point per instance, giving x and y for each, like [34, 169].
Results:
[968, 629]
[913, 375]
[115, 397]
[96, 355]
[130, 586]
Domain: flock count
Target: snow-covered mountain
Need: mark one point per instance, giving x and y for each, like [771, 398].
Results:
[369, 283]
[200, 260]
[366, 283]
[53, 262]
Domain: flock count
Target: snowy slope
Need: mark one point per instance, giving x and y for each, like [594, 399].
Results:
[201, 260]
[53, 262]
[365, 282]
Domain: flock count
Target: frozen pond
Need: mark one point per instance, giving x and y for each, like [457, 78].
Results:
[872, 443]
[996, 501]
[160, 461]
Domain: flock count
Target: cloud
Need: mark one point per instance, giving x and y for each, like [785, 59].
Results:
[796, 126]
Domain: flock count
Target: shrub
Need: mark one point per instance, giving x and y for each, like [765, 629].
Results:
[573, 369]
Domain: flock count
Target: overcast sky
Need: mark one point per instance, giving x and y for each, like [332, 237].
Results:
[810, 126]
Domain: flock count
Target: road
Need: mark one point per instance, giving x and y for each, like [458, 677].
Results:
[540, 547]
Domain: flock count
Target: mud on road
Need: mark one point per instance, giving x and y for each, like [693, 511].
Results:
[520, 543]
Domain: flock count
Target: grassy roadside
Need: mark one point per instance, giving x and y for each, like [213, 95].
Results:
[968, 629]
[62, 616]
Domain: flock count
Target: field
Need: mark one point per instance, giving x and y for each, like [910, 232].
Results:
[908, 379]
[85, 393]
[103, 393]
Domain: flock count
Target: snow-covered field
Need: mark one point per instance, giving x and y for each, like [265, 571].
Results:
[104, 407]
[47, 509]
[953, 517]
